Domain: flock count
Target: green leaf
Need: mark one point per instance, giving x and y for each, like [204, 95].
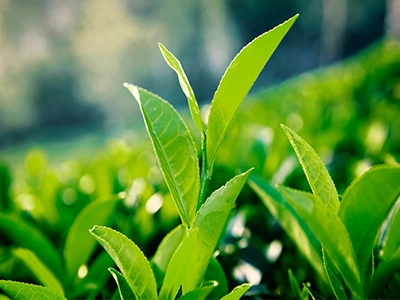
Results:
[237, 292]
[295, 286]
[129, 259]
[365, 206]
[334, 277]
[95, 279]
[79, 246]
[178, 266]
[210, 221]
[24, 235]
[124, 289]
[174, 148]
[41, 272]
[384, 273]
[175, 64]
[295, 227]
[237, 82]
[318, 177]
[331, 232]
[24, 291]
[215, 272]
[391, 240]
[165, 250]
[202, 292]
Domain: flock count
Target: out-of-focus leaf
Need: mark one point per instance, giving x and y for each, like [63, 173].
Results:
[237, 292]
[41, 272]
[295, 227]
[129, 259]
[124, 289]
[27, 236]
[384, 272]
[295, 286]
[174, 148]
[5, 182]
[202, 292]
[392, 237]
[178, 266]
[215, 272]
[79, 245]
[24, 291]
[331, 232]
[334, 277]
[365, 206]
[175, 64]
[210, 221]
[165, 250]
[236, 83]
[318, 177]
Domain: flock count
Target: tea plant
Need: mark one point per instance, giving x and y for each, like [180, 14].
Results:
[183, 265]
[339, 237]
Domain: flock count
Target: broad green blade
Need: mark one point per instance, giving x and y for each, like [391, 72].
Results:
[201, 293]
[178, 266]
[295, 227]
[210, 221]
[124, 289]
[24, 291]
[129, 259]
[331, 232]
[334, 277]
[215, 272]
[175, 64]
[24, 235]
[318, 177]
[174, 148]
[41, 272]
[237, 292]
[165, 250]
[365, 206]
[384, 274]
[237, 82]
[392, 237]
[79, 245]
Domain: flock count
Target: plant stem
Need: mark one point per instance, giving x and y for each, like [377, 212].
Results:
[205, 176]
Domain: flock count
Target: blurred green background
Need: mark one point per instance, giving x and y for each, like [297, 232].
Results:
[62, 63]
[71, 134]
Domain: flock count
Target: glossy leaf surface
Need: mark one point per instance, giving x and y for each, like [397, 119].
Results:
[237, 82]
[296, 228]
[334, 277]
[202, 292]
[79, 245]
[24, 291]
[392, 236]
[124, 289]
[318, 177]
[237, 292]
[175, 64]
[178, 266]
[129, 259]
[210, 221]
[41, 272]
[165, 250]
[174, 149]
[331, 232]
[365, 206]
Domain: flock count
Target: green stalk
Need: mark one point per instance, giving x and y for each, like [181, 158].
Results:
[205, 176]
